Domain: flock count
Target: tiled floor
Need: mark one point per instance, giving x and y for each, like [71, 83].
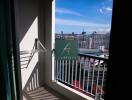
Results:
[44, 93]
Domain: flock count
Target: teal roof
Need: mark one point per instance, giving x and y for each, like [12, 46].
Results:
[90, 51]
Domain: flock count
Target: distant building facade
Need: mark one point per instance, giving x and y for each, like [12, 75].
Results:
[99, 39]
[95, 40]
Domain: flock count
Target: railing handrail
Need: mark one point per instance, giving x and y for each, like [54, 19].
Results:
[93, 56]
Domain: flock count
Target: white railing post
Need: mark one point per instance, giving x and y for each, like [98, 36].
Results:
[60, 70]
[69, 72]
[80, 73]
[88, 79]
[76, 73]
[66, 73]
[102, 80]
[63, 70]
[84, 72]
[57, 70]
[96, 93]
[92, 76]
[72, 71]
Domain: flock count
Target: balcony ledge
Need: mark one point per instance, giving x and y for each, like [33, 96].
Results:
[85, 97]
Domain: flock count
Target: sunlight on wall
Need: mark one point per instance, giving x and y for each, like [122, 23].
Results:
[29, 38]
[27, 71]
[27, 43]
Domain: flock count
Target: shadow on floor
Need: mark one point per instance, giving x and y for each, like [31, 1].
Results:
[44, 93]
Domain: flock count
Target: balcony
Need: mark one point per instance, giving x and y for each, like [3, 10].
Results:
[84, 76]
[42, 76]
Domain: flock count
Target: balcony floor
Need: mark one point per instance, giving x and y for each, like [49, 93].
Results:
[43, 93]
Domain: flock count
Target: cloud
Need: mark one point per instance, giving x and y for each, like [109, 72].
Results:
[108, 9]
[101, 11]
[99, 29]
[89, 26]
[68, 22]
[105, 10]
[67, 11]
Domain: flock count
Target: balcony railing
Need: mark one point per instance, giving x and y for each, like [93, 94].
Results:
[87, 74]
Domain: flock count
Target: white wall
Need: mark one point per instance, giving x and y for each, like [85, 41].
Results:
[27, 29]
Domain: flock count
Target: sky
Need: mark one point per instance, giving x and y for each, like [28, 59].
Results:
[78, 15]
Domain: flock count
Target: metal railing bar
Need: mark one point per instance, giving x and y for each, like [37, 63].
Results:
[76, 73]
[63, 70]
[57, 70]
[80, 74]
[72, 72]
[92, 77]
[66, 72]
[84, 74]
[88, 74]
[69, 71]
[92, 56]
[60, 70]
[96, 92]
[102, 80]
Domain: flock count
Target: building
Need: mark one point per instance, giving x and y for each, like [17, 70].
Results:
[100, 39]
[88, 41]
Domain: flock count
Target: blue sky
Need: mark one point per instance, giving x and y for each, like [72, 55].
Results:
[76, 15]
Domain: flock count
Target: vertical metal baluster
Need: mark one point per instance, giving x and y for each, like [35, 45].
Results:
[92, 77]
[55, 71]
[57, 76]
[76, 73]
[84, 73]
[88, 79]
[72, 72]
[69, 72]
[63, 70]
[60, 71]
[80, 74]
[96, 93]
[66, 73]
[102, 79]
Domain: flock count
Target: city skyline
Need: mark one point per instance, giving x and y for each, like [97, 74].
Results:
[78, 15]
